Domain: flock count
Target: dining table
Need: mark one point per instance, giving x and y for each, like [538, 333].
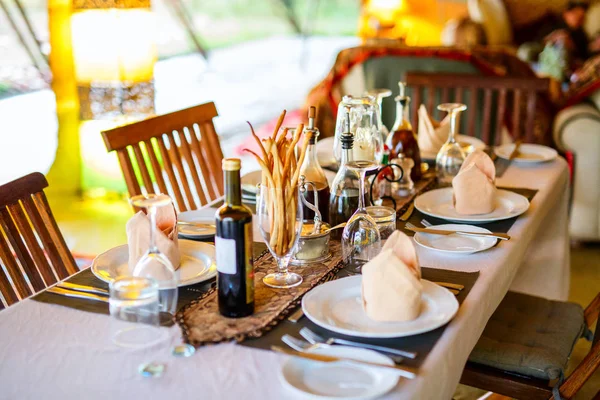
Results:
[56, 352]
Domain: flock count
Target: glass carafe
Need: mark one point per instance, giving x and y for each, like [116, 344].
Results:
[345, 189]
[402, 139]
[312, 172]
[364, 127]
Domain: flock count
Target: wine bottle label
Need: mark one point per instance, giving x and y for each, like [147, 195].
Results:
[249, 265]
[226, 255]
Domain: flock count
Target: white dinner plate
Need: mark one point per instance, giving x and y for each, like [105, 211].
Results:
[473, 141]
[250, 180]
[528, 153]
[198, 263]
[337, 306]
[204, 216]
[458, 244]
[438, 203]
[339, 380]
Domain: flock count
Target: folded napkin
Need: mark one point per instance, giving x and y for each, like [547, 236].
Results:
[138, 236]
[474, 186]
[431, 134]
[391, 282]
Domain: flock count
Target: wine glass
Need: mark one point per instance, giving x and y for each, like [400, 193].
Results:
[379, 95]
[360, 239]
[154, 264]
[451, 156]
[280, 219]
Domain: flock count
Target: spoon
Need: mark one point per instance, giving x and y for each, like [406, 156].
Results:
[343, 224]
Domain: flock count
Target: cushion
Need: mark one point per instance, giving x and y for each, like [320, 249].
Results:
[494, 18]
[530, 336]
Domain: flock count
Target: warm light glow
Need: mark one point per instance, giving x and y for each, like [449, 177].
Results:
[113, 45]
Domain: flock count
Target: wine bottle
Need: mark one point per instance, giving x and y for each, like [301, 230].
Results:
[235, 277]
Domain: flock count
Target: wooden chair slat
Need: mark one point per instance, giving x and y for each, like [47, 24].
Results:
[516, 128]
[187, 154]
[414, 110]
[168, 165]
[44, 236]
[529, 123]
[430, 99]
[139, 156]
[167, 156]
[201, 160]
[500, 115]
[15, 236]
[128, 172]
[175, 157]
[67, 266]
[8, 292]
[487, 111]
[445, 94]
[20, 285]
[471, 111]
[158, 172]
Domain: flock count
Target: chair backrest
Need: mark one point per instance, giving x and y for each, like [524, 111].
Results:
[498, 100]
[33, 252]
[178, 154]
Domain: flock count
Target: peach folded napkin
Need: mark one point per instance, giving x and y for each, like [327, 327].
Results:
[431, 134]
[391, 282]
[474, 186]
[138, 236]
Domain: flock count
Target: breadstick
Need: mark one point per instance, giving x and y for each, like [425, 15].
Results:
[260, 145]
[279, 123]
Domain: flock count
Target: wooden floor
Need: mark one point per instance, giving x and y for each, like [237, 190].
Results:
[92, 226]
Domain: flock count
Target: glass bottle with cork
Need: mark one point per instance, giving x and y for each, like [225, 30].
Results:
[233, 242]
[345, 188]
[403, 140]
[312, 172]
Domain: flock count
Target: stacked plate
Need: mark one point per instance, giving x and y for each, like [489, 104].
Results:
[249, 186]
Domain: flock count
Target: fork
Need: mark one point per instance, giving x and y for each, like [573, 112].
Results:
[301, 345]
[316, 339]
[426, 223]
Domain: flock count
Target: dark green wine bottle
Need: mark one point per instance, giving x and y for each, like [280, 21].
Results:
[235, 277]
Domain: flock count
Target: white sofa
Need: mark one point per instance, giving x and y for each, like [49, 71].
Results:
[577, 129]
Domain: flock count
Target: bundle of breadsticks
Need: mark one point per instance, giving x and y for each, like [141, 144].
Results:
[280, 173]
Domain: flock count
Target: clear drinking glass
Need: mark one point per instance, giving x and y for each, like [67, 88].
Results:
[451, 156]
[133, 305]
[280, 218]
[364, 125]
[379, 95]
[154, 264]
[361, 240]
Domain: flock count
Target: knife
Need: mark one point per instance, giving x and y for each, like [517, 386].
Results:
[404, 371]
[404, 217]
[82, 288]
[515, 151]
[501, 236]
[77, 295]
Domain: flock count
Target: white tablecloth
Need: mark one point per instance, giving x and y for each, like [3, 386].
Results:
[49, 351]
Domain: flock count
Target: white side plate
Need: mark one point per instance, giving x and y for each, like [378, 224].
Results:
[528, 153]
[337, 306]
[198, 263]
[438, 203]
[339, 380]
[457, 244]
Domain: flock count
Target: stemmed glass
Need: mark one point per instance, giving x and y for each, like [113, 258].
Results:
[451, 156]
[379, 95]
[280, 220]
[360, 239]
[154, 264]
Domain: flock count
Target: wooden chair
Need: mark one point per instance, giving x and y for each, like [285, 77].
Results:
[496, 100]
[178, 154]
[32, 249]
[520, 386]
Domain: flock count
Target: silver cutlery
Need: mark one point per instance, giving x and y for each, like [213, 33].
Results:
[82, 288]
[403, 371]
[404, 217]
[301, 345]
[77, 295]
[426, 223]
[296, 315]
[315, 338]
[497, 235]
